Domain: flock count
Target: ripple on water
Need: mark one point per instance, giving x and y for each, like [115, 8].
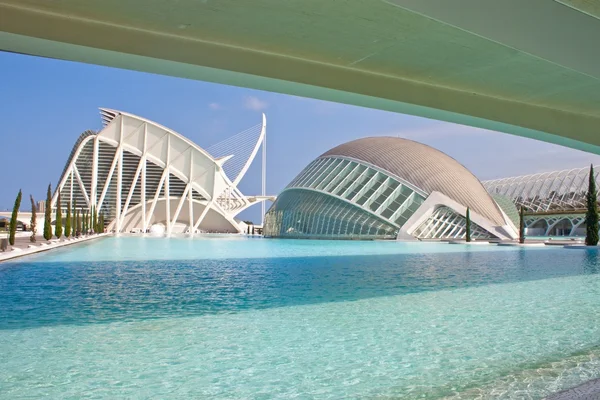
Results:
[397, 325]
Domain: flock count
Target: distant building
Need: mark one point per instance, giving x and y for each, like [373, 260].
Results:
[554, 202]
[41, 206]
[143, 177]
[387, 188]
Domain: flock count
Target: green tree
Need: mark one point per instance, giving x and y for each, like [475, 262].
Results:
[12, 230]
[48, 215]
[74, 217]
[522, 225]
[58, 230]
[95, 219]
[591, 216]
[78, 229]
[33, 222]
[68, 221]
[83, 221]
[468, 225]
[101, 223]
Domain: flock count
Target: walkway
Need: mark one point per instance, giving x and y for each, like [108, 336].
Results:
[23, 247]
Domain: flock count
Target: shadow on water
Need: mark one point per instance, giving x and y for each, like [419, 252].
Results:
[59, 293]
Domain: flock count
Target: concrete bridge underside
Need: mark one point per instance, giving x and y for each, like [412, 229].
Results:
[530, 68]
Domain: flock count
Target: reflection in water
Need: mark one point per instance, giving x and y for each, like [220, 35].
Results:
[590, 264]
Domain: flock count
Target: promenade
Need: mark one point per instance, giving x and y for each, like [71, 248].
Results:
[24, 247]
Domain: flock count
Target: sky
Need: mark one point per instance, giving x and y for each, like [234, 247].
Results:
[45, 104]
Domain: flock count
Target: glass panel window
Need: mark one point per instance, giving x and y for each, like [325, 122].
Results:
[306, 214]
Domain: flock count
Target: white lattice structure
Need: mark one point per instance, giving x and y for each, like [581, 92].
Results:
[555, 225]
[549, 191]
[138, 173]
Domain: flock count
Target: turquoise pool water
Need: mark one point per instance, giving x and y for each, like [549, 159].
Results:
[260, 319]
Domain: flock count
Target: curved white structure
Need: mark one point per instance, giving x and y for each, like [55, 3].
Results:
[386, 188]
[138, 173]
[548, 191]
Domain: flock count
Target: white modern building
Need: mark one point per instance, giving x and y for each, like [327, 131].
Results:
[145, 177]
[554, 202]
[387, 188]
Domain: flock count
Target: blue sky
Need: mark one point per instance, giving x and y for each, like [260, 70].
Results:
[45, 104]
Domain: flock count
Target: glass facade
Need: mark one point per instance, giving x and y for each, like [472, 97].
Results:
[300, 213]
[336, 197]
[444, 223]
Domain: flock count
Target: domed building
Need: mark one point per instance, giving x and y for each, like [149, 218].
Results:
[386, 188]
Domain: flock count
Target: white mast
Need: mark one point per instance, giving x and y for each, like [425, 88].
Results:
[264, 172]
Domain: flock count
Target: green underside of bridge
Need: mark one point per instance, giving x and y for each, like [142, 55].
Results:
[470, 62]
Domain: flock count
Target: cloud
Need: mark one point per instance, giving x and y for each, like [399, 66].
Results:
[254, 103]
[214, 106]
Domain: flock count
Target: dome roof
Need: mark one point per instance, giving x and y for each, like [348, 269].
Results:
[424, 167]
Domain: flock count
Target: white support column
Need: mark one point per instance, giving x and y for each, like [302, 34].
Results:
[119, 176]
[93, 194]
[180, 204]
[155, 200]
[71, 194]
[109, 177]
[167, 186]
[143, 183]
[204, 212]
[264, 177]
[190, 196]
[119, 188]
[191, 211]
[81, 185]
[132, 187]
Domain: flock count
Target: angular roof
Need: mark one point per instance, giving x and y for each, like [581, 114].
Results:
[424, 167]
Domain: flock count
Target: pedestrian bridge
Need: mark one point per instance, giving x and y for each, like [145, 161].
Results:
[529, 68]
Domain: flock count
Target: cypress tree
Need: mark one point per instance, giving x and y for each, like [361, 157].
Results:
[68, 221]
[522, 225]
[83, 221]
[13, 220]
[48, 215]
[58, 230]
[468, 225]
[74, 222]
[101, 223]
[33, 222]
[591, 216]
[95, 220]
[78, 228]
